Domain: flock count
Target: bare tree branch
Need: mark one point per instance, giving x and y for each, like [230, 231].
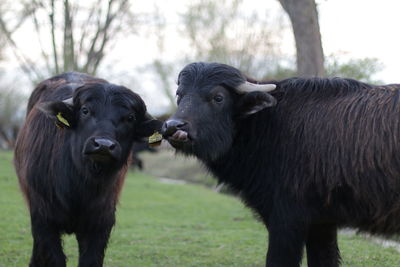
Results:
[27, 65]
[53, 37]
[45, 56]
[163, 71]
[101, 22]
[91, 53]
[106, 33]
[68, 46]
[85, 28]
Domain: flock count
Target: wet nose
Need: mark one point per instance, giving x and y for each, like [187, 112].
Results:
[103, 144]
[171, 126]
[100, 148]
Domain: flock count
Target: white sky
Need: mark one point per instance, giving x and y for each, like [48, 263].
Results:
[363, 28]
[350, 28]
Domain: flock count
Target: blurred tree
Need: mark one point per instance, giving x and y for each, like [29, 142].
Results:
[10, 24]
[11, 102]
[72, 35]
[363, 69]
[304, 17]
[226, 32]
[162, 69]
[221, 31]
[11, 115]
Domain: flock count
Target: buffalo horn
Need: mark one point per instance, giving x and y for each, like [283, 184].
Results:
[69, 101]
[74, 86]
[248, 87]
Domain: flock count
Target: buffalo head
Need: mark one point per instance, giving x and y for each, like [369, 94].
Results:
[212, 98]
[100, 123]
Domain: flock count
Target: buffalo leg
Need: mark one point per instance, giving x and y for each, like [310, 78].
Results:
[92, 247]
[321, 244]
[47, 248]
[286, 244]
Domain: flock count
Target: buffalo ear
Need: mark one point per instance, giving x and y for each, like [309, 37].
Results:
[148, 126]
[254, 102]
[61, 112]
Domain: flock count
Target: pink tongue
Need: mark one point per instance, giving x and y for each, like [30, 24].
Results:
[180, 135]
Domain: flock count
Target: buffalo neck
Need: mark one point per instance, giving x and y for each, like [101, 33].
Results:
[247, 167]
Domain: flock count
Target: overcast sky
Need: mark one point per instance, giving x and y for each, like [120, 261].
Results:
[363, 28]
[350, 28]
[353, 29]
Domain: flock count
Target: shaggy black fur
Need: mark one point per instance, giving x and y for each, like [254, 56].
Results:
[72, 177]
[325, 156]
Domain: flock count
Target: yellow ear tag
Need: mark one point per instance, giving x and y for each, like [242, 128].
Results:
[62, 119]
[155, 139]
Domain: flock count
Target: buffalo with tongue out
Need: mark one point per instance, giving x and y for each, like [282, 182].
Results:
[312, 156]
[173, 132]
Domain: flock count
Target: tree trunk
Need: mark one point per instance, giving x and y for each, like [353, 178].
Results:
[304, 17]
[69, 57]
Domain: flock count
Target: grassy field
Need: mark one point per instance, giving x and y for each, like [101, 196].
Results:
[168, 225]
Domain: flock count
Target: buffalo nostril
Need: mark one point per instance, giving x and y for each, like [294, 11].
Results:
[104, 143]
[95, 144]
[102, 149]
[171, 126]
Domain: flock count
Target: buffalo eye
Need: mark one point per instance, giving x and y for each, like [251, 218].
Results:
[84, 110]
[130, 118]
[218, 98]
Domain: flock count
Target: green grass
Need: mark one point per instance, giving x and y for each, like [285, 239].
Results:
[167, 225]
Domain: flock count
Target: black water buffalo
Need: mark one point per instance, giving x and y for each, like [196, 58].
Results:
[71, 159]
[310, 156]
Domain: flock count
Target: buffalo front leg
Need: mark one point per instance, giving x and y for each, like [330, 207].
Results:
[285, 247]
[92, 246]
[47, 249]
[322, 248]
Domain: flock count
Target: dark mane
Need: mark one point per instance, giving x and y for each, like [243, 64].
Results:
[326, 131]
[325, 86]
